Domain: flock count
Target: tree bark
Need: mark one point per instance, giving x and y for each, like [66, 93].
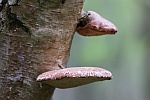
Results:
[35, 37]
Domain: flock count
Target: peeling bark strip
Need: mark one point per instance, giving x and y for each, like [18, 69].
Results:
[13, 2]
[24, 56]
[9, 3]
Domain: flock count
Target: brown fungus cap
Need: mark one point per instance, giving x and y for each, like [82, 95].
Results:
[73, 77]
[92, 24]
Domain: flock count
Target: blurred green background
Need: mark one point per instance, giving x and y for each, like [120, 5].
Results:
[126, 54]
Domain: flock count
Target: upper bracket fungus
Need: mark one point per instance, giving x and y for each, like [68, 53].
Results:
[92, 24]
[73, 77]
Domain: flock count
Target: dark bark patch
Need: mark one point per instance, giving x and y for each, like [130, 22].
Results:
[15, 23]
[81, 23]
[1, 24]
[63, 1]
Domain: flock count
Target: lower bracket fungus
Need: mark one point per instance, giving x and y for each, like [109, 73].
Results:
[73, 77]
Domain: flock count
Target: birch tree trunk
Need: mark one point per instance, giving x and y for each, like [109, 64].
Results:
[35, 37]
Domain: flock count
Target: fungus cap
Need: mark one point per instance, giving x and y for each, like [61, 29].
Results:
[73, 77]
[92, 24]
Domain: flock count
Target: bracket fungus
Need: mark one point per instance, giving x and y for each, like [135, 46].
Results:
[92, 24]
[73, 77]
